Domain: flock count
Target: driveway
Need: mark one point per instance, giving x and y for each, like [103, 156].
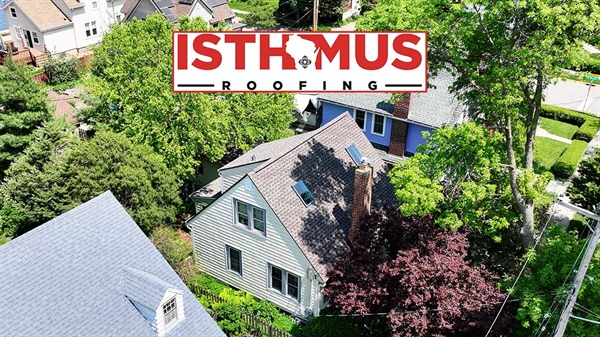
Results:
[574, 95]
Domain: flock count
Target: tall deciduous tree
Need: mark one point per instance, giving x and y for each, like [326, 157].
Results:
[585, 187]
[132, 71]
[59, 172]
[504, 54]
[24, 106]
[416, 273]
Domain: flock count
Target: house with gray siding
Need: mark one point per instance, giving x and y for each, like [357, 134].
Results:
[396, 128]
[92, 272]
[279, 215]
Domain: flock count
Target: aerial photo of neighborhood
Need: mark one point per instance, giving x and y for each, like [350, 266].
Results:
[299, 168]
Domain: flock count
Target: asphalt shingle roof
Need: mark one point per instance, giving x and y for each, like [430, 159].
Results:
[434, 108]
[144, 288]
[43, 13]
[320, 159]
[66, 277]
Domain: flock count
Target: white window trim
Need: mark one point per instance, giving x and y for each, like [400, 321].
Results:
[10, 10]
[284, 283]
[250, 226]
[92, 27]
[37, 37]
[171, 323]
[373, 125]
[97, 7]
[228, 261]
[18, 32]
[364, 128]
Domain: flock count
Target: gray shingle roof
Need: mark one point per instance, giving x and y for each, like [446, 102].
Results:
[144, 288]
[434, 108]
[215, 3]
[320, 159]
[65, 277]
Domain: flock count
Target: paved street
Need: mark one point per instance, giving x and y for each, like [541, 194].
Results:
[574, 95]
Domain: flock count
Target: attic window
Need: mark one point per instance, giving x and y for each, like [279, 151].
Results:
[304, 193]
[13, 12]
[354, 153]
[170, 311]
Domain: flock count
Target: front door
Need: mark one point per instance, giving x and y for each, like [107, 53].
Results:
[28, 39]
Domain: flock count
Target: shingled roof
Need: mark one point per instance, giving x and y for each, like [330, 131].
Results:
[43, 13]
[72, 277]
[320, 159]
[434, 108]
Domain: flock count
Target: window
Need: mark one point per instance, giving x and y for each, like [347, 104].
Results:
[34, 36]
[170, 311]
[18, 33]
[95, 4]
[304, 193]
[13, 12]
[359, 117]
[253, 218]
[378, 125]
[284, 282]
[234, 260]
[90, 29]
[354, 153]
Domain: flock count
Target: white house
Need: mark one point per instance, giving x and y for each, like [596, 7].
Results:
[279, 215]
[60, 25]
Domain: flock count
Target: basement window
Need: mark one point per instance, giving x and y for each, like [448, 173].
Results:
[304, 193]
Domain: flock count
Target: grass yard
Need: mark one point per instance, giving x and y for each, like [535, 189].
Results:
[546, 152]
[558, 128]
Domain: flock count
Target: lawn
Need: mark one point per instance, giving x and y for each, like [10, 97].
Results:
[546, 153]
[558, 128]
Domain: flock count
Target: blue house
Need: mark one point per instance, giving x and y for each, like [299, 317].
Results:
[396, 128]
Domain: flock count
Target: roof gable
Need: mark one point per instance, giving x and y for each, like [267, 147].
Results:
[42, 13]
[70, 270]
[145, 288]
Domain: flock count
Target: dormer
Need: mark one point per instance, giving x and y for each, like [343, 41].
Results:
[160, 303]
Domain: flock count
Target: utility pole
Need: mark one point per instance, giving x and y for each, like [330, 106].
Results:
[315, 15]
[583, 267]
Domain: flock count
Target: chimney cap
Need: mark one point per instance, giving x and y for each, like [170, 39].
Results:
[365, 161]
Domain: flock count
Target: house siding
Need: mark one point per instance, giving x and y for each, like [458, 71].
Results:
[24, 23]
[331, 111]
[232, 175]
[105, 15]
[200, 11]
[214, 228]
[414, 137]
[60, 40]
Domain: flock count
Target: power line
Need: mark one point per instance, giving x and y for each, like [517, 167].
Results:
[537, 241]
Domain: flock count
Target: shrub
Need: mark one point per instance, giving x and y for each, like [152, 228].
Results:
[590, 65]
[209, 283]
[176, 247]
[62, 69]
[588, 130]
[284, 322]
[576, 224]
[324, 326]
[567, 163]
[563, 115]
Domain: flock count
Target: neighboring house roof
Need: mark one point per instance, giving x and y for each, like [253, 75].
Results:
[75, 275]
[72, 4]
[434, 108]
[43, 13]
[215, 3]
[321, 160]
[221, 12]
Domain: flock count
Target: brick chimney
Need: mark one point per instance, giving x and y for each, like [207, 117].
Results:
[402, 107]
[361, 199]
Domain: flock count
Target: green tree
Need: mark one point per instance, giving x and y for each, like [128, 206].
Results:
[504, 53]
[546, 285]
[132, 71]
[585, 187]
[58, 172]
[299, 13]
[263, 16]
[24, 106]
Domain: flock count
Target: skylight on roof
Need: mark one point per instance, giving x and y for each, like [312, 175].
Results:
[304, 193]
[354, 153]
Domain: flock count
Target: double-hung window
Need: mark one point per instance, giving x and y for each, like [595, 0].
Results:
[284, 282]
[360, 117]
[378, 125]
[249, 216]
[170, 311]
[13, 12]
[35, 38]
[90, 29]
[234, 260]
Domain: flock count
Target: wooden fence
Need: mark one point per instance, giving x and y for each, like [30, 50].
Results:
[256, 326]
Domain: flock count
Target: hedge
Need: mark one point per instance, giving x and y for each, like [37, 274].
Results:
[576, 224]
[588, 130]
[591, 65]
[567, 163]
[588, 124]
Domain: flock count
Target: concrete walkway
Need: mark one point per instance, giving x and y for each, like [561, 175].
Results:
[543, 133]
[237, 11]
[347, 27]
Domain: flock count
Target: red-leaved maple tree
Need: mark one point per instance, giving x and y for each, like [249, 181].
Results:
[417, 274]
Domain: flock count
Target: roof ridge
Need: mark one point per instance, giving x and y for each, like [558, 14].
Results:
[315, 133]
